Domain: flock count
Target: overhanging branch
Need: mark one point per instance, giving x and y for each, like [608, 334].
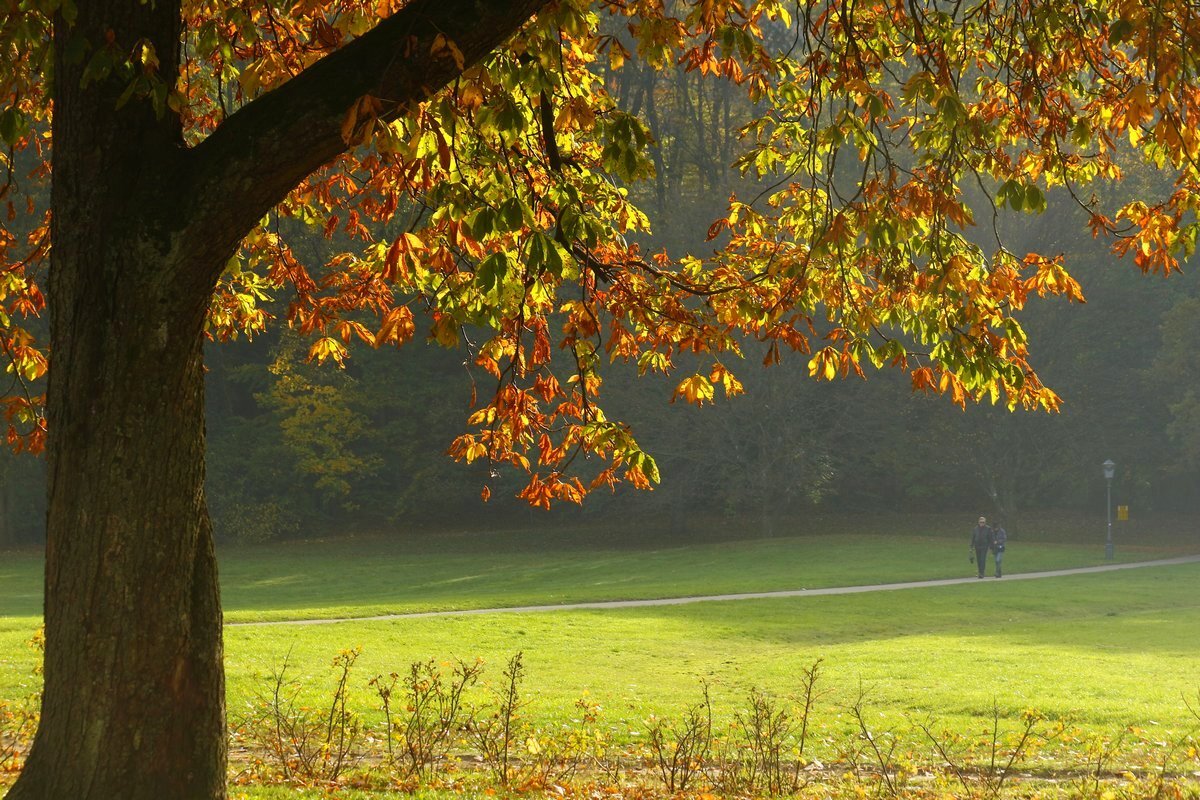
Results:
[259, 154]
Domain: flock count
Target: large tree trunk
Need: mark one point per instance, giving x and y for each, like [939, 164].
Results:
[134, 696]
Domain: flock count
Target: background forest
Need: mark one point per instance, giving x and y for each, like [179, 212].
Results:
[297, 449]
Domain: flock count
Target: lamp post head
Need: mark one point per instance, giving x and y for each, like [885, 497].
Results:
[1109, 467]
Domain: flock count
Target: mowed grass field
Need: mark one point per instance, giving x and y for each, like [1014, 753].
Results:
[1106, 650]
[372, 575]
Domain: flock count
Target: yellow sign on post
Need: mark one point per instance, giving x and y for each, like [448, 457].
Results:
[1122, 513]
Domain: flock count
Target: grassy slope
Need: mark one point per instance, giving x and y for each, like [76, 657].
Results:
[1112, 649]
[370, 575]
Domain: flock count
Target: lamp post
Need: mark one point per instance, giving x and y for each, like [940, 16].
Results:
[1109, 468]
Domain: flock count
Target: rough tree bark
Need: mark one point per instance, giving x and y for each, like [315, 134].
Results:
[133, 702]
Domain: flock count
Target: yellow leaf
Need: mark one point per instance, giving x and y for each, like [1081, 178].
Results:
[443, 46]
[397, 327]
[823, 364]
[328, 347]
[359, 122]
[696, 389]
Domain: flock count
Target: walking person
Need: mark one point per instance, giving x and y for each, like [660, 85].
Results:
[981, 540]
[999, 539]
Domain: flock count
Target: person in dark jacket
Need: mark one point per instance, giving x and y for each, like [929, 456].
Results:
[981, 540]
[999, 539]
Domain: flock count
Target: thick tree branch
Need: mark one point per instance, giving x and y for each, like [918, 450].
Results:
[250, 163]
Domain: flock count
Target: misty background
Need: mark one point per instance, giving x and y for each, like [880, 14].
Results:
[302, 450]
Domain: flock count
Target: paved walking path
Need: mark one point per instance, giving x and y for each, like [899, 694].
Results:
[678, 601]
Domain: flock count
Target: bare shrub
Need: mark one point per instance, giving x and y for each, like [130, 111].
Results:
[433, 714]
[754, 759]
[554, 757]
[1003, 752]
[762, 752]
[517, 754]
[495, 734]
[875, 756]
[680, 750]
[19, 720]
[17, 724]
[1096, 759]
[765, 751]
[301, 742]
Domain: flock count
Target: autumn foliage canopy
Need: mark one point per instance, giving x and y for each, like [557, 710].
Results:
[888, 141]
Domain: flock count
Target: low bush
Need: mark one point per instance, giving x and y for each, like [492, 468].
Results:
[296, 741]
[420, 736]
[443, 726]
[254, 522]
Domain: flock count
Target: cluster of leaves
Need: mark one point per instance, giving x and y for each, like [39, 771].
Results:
[890, 123]
[18, 720]
[25, 230]
[16, 730]
[500, 208]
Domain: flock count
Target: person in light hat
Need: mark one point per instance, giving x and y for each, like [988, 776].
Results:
[981, 540]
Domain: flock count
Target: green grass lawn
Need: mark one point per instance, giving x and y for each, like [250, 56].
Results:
[364, 576]
[1109, 649]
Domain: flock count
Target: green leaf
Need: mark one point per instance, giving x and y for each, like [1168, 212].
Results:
[76, 49]
[628, 165]
[883, 233]
[543, 254]
[1035, 201]
[492, 272]
[571, 223]
[951, 109]
[510, 122]
[512, 214]
[1012, 193]
[1081, 134]
[919, 86]
[130, 88]
[646, 463]
[98, 68]
[482, 223]
[650, 468]
[13, 125]
[1119, 31]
